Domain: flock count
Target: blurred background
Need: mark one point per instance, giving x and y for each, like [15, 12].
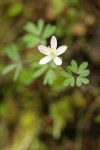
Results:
[34, 116]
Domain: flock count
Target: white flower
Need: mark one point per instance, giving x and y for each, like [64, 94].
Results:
[52, 52]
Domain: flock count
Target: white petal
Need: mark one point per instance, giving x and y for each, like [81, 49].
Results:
[43, 49]
[61, 50]
[53, 42]
[57, 61]
[45, 60]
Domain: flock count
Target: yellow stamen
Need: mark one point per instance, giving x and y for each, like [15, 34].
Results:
[52, 54]
[52, 51]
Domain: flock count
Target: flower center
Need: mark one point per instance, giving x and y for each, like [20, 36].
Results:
[52, 52]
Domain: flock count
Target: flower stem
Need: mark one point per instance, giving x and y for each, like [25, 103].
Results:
[64, 67]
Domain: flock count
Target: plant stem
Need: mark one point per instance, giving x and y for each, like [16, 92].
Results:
[64, 67]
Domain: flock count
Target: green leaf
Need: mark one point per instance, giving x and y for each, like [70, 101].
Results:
[78, 82]
[8, 68]
[82, 66]
[69, 71]
[48, 31]
[40, 71]
[49, 77]
[74, 66]
[86, 73]
[12, 52]
[31, 40]
[66, 74]
[84, 80]
[14, 10]
[31, 28]
[40, 25]
[72, 81]
[67, 82]
[17, 71]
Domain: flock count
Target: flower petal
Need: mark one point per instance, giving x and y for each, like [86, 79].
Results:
[57, 61]
[53, 42]
[45, 60]
[43, 49]
[61, 50]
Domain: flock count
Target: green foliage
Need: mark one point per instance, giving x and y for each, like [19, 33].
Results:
[74, 66]
[82, 67]
[40, 71]
[75, 74]
[28, 113]
[8, 68]
[48, 69]
[69, 81]
[50, 77]
[30, 40]
[59, 6]
[37, 34]
[14, 10]
[40, 26]
[19, 68]
[78, 82]
[34, 71]
[12, 52]
[31, 28]
[16, 66]
[48, 31]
